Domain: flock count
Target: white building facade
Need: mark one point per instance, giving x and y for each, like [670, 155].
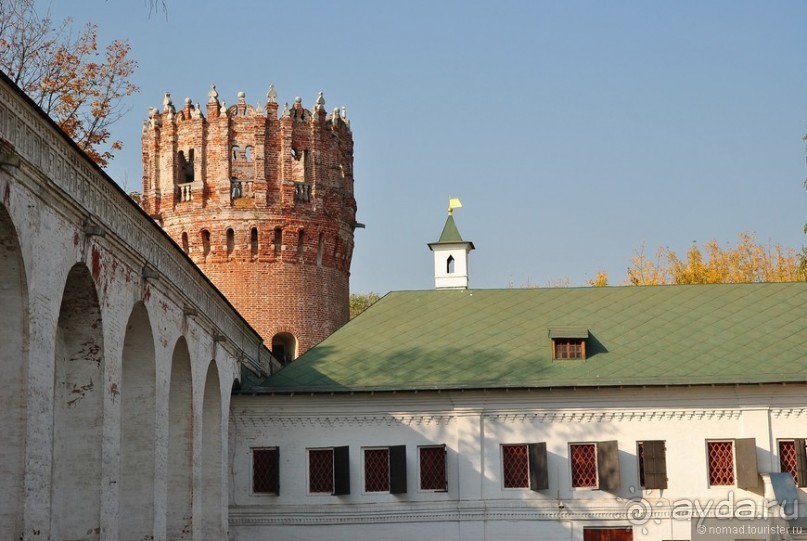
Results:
[487, 436]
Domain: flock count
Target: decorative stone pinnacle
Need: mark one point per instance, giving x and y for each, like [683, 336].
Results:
[242, 97]
[168, 105]
[286, 111]
[212, 96]
[271, 95]
[298, 99]
[320, 103]
[188, 102]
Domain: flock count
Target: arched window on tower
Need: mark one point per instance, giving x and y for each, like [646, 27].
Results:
[253, 242]
[230, 241]
[248, 155]
[320, 247]
[284, 347]
[300, 243]
[278, 241]
[205, 242]
[450, 265]
[185, 246]
[234, 154]
[188, 172]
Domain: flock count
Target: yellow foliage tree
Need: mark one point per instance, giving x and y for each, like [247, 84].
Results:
[601, 280]
[359, 302]
[79, 86]
[748, 261]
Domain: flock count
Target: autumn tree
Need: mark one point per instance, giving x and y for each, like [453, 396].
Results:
[359, 302]
[77, 84]
[748, 261]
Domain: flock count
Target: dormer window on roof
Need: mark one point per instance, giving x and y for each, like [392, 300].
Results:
[568, 343]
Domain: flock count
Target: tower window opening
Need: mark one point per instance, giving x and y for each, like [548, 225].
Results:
[253, 242]
[235, 152]
[278, 241]
[205, 242]
[320, 246]
[185, 246]
[300, 243]
[295, 153]
[284, 347]
[450, 265]
[248, 154]
[186, 166]
[230, 241]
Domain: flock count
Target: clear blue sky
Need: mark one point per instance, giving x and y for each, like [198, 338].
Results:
[573, 132]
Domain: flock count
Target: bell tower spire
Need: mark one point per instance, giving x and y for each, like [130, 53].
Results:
[451, 254]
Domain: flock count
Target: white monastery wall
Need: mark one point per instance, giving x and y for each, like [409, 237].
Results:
[120, 361]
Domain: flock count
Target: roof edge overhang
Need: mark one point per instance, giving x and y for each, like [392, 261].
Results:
[507, 388]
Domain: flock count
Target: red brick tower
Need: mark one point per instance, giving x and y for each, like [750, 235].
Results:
[263, 204]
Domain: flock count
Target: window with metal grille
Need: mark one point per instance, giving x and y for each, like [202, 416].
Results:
[525, 466]
[787, 458]
[515, 466]
[376, 470]
[385, 469]
[793, 459]
[265, 471]
[433, 467]
[720, 456]
[320, 471]
[583, 459]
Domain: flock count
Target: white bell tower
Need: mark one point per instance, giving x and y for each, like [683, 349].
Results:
[451, 254]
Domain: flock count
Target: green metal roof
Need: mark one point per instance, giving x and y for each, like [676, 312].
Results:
[653, 335]
[450, 234]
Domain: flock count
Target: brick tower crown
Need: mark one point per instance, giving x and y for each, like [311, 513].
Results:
[263, 204]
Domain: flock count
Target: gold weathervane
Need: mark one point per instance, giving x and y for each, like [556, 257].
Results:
[453, 203]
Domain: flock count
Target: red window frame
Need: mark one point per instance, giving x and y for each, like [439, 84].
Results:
[265, 470]
[787, 459]
[720, 462]
[583, 464]
[320, 471]
[432, 467]
[376, 469]
[515, 466]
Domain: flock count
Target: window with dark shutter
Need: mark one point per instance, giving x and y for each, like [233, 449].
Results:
[539, 477]
[341, 467]
[397, 469]
[608, 465]
[801, 462]
[595, 465]
[652, 464]
[747, 471]
[433, 467]
[265, 478]
[524, 466]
